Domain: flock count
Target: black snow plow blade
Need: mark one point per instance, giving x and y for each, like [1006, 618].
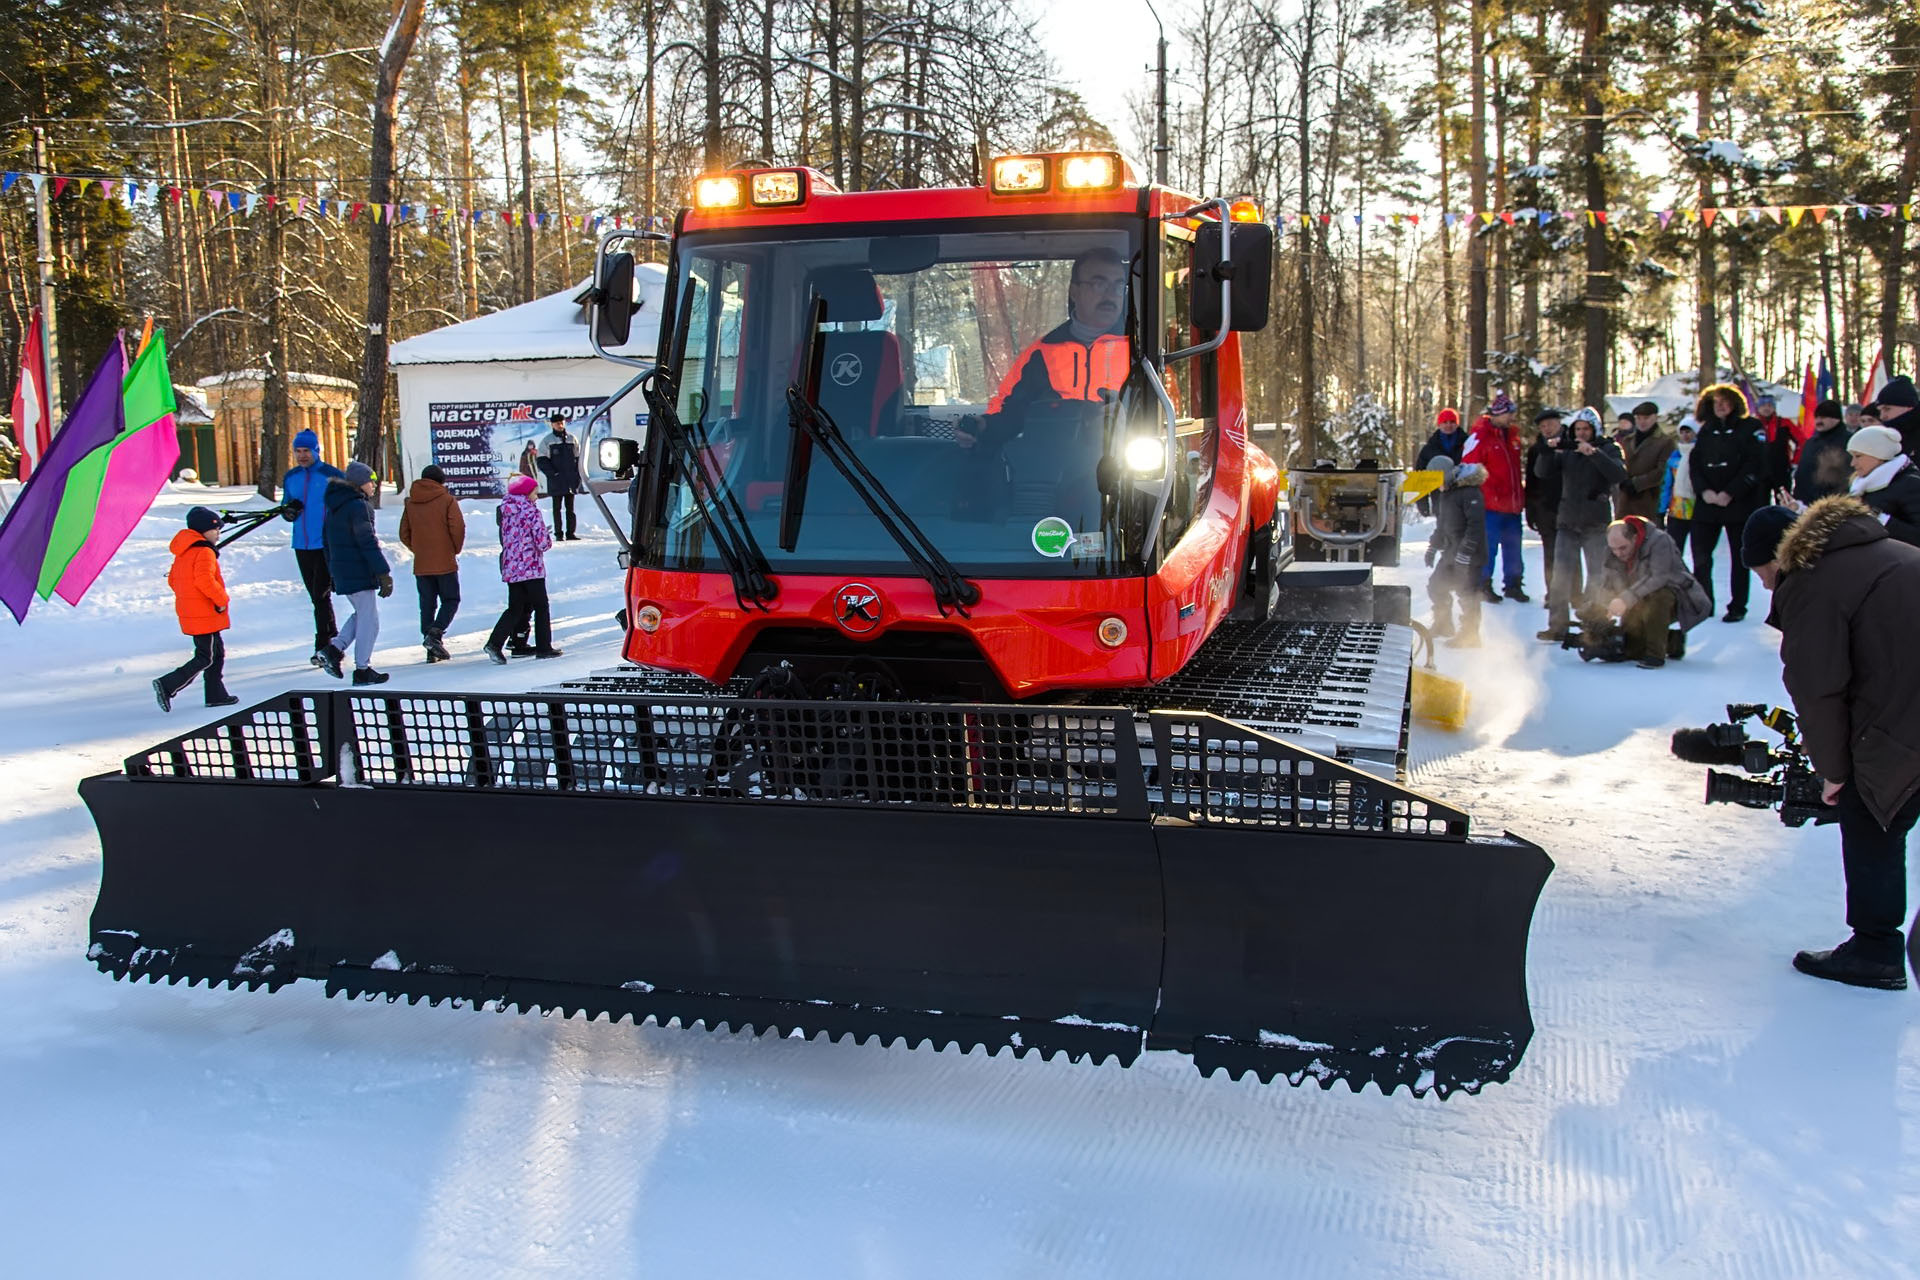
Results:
[1061, 880]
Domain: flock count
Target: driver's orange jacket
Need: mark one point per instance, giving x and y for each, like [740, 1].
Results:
[1060, 366]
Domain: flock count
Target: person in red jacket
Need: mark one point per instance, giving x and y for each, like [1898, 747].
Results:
[1495, 445]
[200, 602]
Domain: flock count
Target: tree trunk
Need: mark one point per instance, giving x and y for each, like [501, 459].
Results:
[857, 99]
[1476, 237]
[369, 444]
[835, 99]
[470, 280]
[1600, 292]
[560, 206]
[711, 139]
[1449, 296]
[767, 151]
[1308, 449]
[1908, 38]
[1499, 336]
[1530, 290]
[529, 285]
[1707, 317]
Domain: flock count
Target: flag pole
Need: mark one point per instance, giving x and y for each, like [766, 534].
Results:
[43, 237]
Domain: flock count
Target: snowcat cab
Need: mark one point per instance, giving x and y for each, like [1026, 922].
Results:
[966, 700]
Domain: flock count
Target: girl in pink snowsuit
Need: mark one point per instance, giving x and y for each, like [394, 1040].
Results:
[523, 541]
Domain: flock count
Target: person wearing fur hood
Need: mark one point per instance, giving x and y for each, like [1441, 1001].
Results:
[1845, 594]
[1885, 479]
[1728, 468]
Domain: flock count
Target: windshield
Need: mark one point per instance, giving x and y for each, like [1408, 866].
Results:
[986, 378]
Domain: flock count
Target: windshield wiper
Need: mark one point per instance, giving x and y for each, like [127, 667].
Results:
[753, 585]
[951, 590]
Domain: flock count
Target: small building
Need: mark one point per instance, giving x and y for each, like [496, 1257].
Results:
[195, 427]
[326, 406]
[476, 395]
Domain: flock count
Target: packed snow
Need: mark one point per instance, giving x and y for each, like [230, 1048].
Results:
[1689, 1106]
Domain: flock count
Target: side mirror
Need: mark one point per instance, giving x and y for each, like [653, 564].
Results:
[613, 301]
[1251, 272]
[619, 456]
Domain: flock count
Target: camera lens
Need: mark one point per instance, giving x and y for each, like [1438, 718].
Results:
[1752, 793]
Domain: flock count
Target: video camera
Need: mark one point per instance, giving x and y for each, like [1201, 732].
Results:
[1607, 642]
[1789, 782]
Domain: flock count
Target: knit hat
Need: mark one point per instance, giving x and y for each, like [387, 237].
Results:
[433, 473]
[1760, 540]
[521, 486]
[557, 416]
[1646, 406]
[202, 519]
[1502, 403]
[1829, 409]
[1876, 442]
[306, 440]
[358, 473]
[1445, 465]
[1446, 416]
[1900, 393]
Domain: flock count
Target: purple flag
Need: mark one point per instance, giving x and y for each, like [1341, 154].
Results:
[96, 419]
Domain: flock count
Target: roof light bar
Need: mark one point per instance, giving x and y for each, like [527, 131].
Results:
[717, 191]
[1018, 175]
[777, 187]
[1090, 171]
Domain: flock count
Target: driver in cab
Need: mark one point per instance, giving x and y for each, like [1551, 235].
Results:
[1081, 358]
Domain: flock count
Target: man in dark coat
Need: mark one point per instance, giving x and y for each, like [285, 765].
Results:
[1728, 466]
[1647, 450]
[1845, 596]
[1586, 474]
[1460, 534]
[1543, 490]
[1898, 406]
[1446, 441]
[559, 461]
[1823, 469]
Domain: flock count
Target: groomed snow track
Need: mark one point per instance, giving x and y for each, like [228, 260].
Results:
[1033, 878]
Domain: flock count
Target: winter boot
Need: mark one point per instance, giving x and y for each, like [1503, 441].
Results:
[496, 657]
[222, 699]
[1734, 613]
[1515, 592]
[161, 695]
[367, 675]
[436, 651]
[1488, 594]
[1845, 964]
[519, 648]
[548, 652]
[328, 659]
[1552, 635]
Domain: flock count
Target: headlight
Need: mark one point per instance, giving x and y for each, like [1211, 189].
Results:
[1094, 171]
[1113, 632]
[783, 186]
[1146, 455]
[1019, 175]
[720, 191]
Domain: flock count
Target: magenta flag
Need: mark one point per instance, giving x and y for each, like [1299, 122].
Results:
[137, 469]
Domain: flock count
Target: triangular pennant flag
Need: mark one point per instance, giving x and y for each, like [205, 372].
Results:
[1414, 218]
[386, 211]
[1906, 211]
[1886, 211]
[1795, 212]
[132, 190]
[194, 194]
[59, 186]
[236, 200]
[39, 181]
[1707, 216]
[1820, 212]
[354, 214]
[1486, 218]
[7, 180]
[1359, 218]
[1859, 210]
[1665, 216]
[1775, 212]
[106, 188]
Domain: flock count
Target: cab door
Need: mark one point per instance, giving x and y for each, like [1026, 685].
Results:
[1201, 542]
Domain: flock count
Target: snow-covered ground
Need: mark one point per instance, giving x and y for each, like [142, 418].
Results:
[1690, 1106]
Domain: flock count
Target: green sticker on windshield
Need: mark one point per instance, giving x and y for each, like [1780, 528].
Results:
[1052, 536]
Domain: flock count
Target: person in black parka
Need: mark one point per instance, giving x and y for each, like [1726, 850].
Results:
[359, 571]
[1543, 490]
[1728, 467]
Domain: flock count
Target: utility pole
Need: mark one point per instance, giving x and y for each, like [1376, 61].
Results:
[43, 240]
[1160, 148]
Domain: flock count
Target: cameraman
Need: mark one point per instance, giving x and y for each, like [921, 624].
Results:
[1844, 598]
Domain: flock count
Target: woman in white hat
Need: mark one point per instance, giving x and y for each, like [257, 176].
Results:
[1884, 478]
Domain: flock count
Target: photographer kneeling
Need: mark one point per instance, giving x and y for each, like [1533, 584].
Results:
[1647, 588]
[1844, 596]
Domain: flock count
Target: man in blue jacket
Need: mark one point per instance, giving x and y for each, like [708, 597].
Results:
[302, 492]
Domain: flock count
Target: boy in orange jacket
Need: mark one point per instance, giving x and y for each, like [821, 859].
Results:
[200, 601]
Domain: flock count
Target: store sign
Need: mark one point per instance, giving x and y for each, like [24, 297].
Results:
[481, 444]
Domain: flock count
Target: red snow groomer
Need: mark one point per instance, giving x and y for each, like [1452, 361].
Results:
[971, 695]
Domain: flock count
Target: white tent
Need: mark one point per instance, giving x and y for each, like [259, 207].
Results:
[474, 395]
[1676, 394]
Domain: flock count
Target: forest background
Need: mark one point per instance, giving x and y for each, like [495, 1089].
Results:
[1559, 198]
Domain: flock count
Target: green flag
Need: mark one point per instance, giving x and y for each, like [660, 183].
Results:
[147, 396]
